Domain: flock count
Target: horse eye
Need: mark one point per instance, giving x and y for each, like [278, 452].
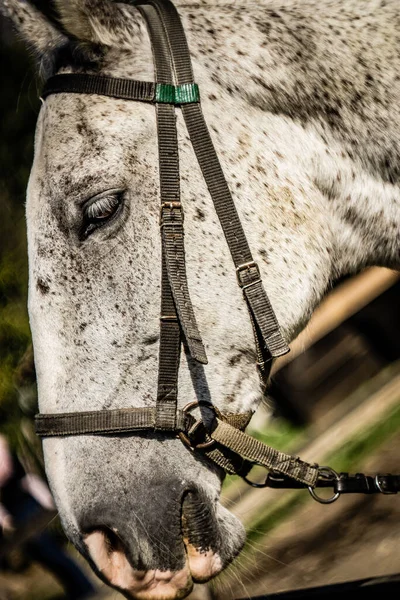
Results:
[99, 212]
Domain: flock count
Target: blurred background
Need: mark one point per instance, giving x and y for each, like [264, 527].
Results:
[337, 391]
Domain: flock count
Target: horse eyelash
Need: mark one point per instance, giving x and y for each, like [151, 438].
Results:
[107, 203]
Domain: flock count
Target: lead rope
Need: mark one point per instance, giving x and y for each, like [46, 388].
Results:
[222, 440]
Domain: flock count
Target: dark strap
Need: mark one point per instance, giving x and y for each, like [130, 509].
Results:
[269, 340]
[126, 89]
[119, 420]
[171, 214]
[230, 448]
[342, 484]
[168, 357]
[227, 446]
[234, 453]
[365, 484]
[176, 306]
[256, 452]
[170, 332]
[122, 420]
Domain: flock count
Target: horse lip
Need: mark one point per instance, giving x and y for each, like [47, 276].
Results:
[119, 565]
[112, 564]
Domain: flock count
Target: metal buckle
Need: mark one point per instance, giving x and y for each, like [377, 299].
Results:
[329, 473]
[245, 267]
[195, 427]
[170, 206]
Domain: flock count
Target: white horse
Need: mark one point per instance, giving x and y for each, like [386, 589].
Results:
[302, 98]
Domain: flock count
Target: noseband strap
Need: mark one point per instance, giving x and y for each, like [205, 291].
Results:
[219, 438]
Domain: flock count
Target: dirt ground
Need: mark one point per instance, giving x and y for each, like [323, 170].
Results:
[354, 538]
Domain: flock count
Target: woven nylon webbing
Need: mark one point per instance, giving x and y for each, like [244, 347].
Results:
[257, 452]
[172, 233]
[80, 83]
[119, 420]
[235, 451]
[99, 421]
[168, 357]
[170, 334]
[126, 89]
[266, 325]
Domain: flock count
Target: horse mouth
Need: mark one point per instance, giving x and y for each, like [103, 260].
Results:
[109, 557]
[203, 556]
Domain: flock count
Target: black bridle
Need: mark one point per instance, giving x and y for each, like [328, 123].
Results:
[219, 437]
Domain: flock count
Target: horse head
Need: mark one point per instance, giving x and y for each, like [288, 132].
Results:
[144, 509]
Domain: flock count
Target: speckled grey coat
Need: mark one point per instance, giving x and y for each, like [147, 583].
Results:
[302, 100]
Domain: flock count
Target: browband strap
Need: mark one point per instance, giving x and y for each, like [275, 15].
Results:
[125, 89]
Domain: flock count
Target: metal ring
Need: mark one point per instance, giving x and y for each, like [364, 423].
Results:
[197, 403]
[254, 483]
[185, 438]
[190, 405]
[327, 471]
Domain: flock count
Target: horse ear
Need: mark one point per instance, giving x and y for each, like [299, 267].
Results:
[100, 22]
[36, 30]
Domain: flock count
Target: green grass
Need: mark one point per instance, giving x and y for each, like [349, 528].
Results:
[282, 433]
[356, 450]
[14, 335]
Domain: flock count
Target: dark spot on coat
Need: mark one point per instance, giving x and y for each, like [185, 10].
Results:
[199, 215]
[42, 286]
[151, 339]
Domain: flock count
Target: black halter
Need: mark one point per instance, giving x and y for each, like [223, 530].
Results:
[220, 436]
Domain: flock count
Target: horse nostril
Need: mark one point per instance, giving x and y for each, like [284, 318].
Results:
[197, 520]
[107, 552]
[110, 558]
[200, 534]
[111, 541]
